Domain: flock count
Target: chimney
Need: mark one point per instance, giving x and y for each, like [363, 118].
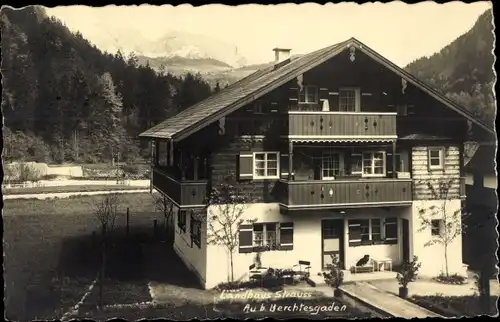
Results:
[281, 56]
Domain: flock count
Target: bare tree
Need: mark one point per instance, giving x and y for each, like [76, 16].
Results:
[451, 223]
[106, 211]
[166, 207]
[226, 206]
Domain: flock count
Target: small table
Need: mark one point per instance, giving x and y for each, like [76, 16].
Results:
[383, 263]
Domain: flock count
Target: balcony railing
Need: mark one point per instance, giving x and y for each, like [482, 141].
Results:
[344, 194]
[185, 193]
[305, 124]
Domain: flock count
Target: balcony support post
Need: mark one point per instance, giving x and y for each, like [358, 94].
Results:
[171, 153]
[196, 160]
[290, 161]
[181, 165]
[394, 174]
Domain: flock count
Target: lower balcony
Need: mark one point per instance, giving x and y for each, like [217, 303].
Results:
[335, 194]
[184, 193]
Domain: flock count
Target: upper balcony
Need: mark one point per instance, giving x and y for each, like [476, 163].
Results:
[340, 194]
[184, 193]
[341, 125]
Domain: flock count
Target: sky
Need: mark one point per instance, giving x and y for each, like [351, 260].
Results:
[401, 32]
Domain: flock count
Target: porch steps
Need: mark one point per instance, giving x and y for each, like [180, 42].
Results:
[385, 302]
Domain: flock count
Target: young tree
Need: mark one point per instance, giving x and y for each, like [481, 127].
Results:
[105, 211]
[165, 206]
[451, 223]
[226, 206]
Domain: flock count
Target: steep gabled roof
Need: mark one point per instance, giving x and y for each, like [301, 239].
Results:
[264, 81]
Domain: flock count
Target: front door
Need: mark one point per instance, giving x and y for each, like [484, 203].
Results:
[332, 235]
[406, 240]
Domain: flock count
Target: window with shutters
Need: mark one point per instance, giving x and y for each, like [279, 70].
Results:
[374, 164]
[266, 165]
[266, 236]
[349, 100]
[370, 231]
[308, 95]
[436, 158]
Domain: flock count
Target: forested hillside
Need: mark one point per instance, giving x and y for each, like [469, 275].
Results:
[463, 70]
[65, 101]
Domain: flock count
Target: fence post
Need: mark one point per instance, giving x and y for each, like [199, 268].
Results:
[128, 223]
[155, 225]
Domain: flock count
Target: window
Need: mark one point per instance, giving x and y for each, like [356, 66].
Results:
[436, 158]
[374, 164]
[181, 220]
[266, 165]
[330, 166]
[265, 235]
[308, 95]
[369, 231]
[436, 227]
[195, 232]
[348, 100]
[258, 108]
[365, 230]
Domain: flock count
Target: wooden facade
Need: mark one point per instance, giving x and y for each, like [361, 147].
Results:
[384, 110]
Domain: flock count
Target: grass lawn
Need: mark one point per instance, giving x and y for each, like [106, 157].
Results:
[50, 256]
[455, 306]
[77, 205]
[82, 188]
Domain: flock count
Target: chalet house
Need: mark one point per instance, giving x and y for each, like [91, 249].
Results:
[337, 147]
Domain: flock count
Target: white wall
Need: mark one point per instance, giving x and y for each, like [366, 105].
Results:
[432, 257]
[307, 244]
[193, 256]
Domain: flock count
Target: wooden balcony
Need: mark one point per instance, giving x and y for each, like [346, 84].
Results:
[322, 194]
[340, 125]
[184, 193]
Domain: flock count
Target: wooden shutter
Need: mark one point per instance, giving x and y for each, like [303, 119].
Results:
[286, 236]
[391, 230]
[246, 239]
[245, 166]
[354, 233]
[284, 166]
[334, 100]
[323, 96]
[388, 163]
[366, 102]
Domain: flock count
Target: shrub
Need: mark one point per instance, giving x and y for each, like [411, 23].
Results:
[334, 277]
[408, 272]
[451, 279]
